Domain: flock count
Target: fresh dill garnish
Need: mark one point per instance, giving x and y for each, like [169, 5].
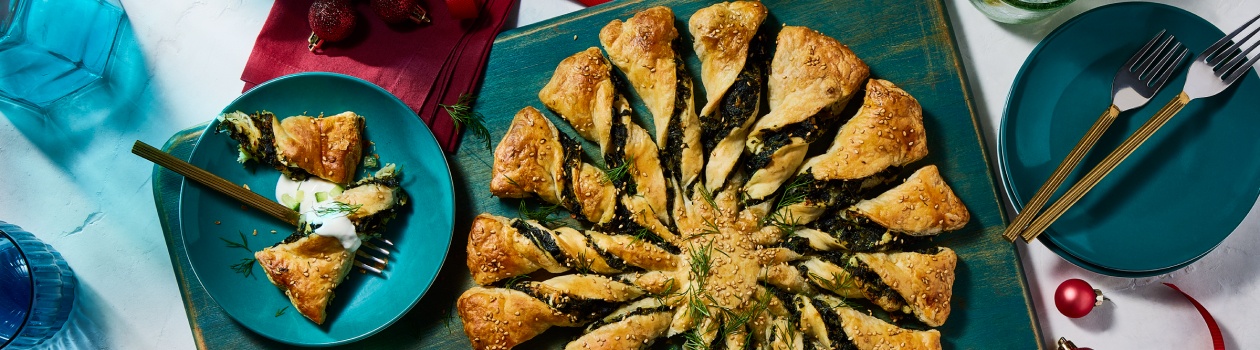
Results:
[795, 191]
[337, 208]
[243, 244]
[619, 173]
[245, 267]
[542, 215]
[736, 320]
[835, 283]
[694, 341]
[281, 311]
[582, 264]
[465, 117]
[708, 197]
[700, 263]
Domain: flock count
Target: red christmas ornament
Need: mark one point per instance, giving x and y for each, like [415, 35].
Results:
[398, 11]
[331, 21]
[1065, 344]
[1076, 298]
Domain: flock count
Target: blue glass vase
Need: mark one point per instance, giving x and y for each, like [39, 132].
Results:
[50, 49]
[36, 289]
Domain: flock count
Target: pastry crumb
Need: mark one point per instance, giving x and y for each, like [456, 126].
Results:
[216, 222]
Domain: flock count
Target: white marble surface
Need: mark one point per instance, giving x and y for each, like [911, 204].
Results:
[71, 180]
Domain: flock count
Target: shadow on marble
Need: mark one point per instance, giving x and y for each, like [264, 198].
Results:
[67, 127]
[81, 330]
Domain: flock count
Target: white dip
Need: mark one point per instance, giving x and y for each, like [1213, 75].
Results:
[313, 198]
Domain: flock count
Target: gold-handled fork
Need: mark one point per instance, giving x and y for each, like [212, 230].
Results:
[1218, 67]
[1137, 81]
[221, 185]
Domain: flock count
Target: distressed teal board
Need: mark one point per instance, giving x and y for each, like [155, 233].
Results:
[908, 42]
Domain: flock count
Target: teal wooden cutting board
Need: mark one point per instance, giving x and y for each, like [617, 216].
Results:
[908, 42]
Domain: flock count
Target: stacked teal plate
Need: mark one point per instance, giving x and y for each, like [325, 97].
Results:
[364, 303]
[1180, 194]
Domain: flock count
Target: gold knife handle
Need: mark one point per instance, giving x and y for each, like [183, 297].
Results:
[1106, 166]
[219, 184]
[1056, 178]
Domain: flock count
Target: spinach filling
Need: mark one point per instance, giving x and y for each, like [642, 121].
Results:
[265, 150]
[541, 239]
[807, 130]
[578, 309]
[637, 312]
[672, 153]
[612, 261]
[835, 327]
[736, 107]
[873, 287]
[572, 161]
[858, 234]
[618, 135]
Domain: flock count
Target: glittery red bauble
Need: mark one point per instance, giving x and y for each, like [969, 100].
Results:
[1076, 298]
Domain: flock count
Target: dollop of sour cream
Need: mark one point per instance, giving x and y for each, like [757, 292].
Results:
[306, 195]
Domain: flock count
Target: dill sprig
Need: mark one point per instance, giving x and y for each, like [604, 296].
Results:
[512, 282]
[736, 320]
[465, 117]
[619, 173]
[245, 267]
[582, 264]
[281, 311]
[337, 208]
[243, 244]
[835, 283]
[542, 215]
[694, 341]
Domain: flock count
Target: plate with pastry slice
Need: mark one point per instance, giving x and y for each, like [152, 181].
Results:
[350, 158]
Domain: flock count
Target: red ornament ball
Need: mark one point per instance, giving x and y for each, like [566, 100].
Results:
[1076, 298]
[330, 20]
[398, 11]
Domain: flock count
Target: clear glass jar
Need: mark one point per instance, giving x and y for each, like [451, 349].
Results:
[50, 49]
[37, 289]
[1019, 11]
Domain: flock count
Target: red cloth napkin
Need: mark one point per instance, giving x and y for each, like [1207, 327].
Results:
[423, 65]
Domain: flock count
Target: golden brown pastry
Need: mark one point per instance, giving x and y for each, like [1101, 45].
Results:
[870, 333]
[327, 147]
[635, 326]
[886, 132]
[643, 48]
[499, 248]
[501, 318]
[923, 205]
[582, 92]
[530, 159]
[307, 271]
[732, 68]
[812, 77]
[908, 282]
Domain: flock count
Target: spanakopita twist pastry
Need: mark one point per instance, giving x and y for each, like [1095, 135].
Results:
[535, 159]
[733, 64]
[729, 267]
[812, 78]
[583, 92]
[643, 47]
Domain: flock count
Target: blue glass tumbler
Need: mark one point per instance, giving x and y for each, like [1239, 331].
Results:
[50, 49]
[36, 289]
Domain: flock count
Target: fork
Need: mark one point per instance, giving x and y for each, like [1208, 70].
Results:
[254, 200]
[1134, 85]
[1218, 67]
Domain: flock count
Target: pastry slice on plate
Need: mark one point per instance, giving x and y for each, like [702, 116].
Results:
[310, 264]
[327, 147]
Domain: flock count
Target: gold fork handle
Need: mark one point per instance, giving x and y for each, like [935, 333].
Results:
[1106, 166]
[1073, 159]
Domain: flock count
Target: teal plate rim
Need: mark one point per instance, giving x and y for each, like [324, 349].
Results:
[1004, 154]
[451, 216]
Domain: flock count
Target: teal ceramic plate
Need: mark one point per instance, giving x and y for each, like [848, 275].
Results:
[365, 303]
[1173, 200]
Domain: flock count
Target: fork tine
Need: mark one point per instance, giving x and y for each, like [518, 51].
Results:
[1213, 54]
[1145, 48]
[1162, 65]
[371, 258]
[367, 267]
[383, 240]
[375, 248]
[1167, 71]
[1150, 60]
[1230, 66]
[1241, 69]
[1233, 53]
